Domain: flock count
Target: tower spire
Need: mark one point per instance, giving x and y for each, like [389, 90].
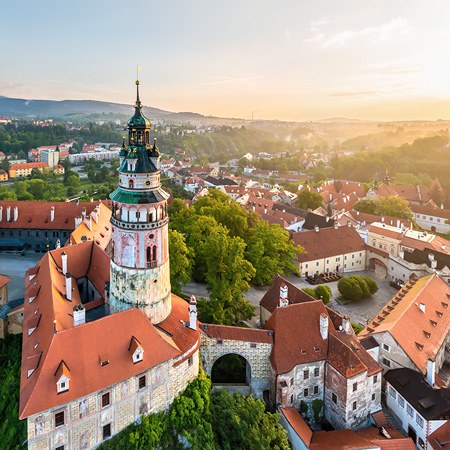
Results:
[138, 101]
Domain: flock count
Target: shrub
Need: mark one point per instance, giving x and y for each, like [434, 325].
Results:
[324, 292]
[310, 291]
[356, 287]
[317, 408]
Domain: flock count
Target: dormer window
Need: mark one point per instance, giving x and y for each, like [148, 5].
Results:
[136, 350]
[62, 376]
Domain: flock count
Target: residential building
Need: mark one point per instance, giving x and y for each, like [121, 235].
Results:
[24, 169]
[50, 157]
[39, 226]
[413, 328]
[433, 219]
[335, 249]
[3, 175]
[418, 408]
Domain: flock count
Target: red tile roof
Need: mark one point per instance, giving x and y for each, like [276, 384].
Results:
[32, 165]
[237, 333]
[403, 318]
[54, 336]
[379, 228]
[298, 424]
[430, 211]
[440, 438]
[4, 280]
[297, 338]
[328, 242]
[36, 215]
[271, 298]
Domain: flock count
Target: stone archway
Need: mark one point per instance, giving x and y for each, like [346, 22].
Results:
[231, 368]
[378, 266]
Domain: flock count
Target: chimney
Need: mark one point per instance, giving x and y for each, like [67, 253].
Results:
[79, 315]
[8, 213]
[283, 296]
[316, 228]
[431, 371]
[1, 213]
[434, 264]
[88, 222]
[64, 262]
[331, 197]
[16, 213]
[382, 219]
[336, 224]
[442, 206]
[78, 221]
[346, 325]
[83, 212]
[69, 286]
[324, 326]
[401, 254]
[94, 215]
[52, 214]
[193, 313]
[58, 243]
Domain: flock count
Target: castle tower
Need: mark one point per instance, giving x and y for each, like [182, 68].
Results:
[140, 275]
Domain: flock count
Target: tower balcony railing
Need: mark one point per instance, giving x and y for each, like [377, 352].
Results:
[151, 264]
[139, 225]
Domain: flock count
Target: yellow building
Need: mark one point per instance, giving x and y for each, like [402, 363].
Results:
[23, 170]
[3, 176]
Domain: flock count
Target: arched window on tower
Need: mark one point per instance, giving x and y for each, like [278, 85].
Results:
[154, 254]
[147, 137]
[151, 256]
[131, 183]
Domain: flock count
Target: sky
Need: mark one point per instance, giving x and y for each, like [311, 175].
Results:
[273, 59]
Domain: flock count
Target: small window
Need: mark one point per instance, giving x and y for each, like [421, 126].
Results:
[219, 341]
[355, 387]
[419, 420]
[61, 447]
[306, 374]
[105, 399]
[334, 397]
[409, 410]
[252, 345]
[292, 399]
[373, 397]
[401, 401]
[316, 371]
[316, 390]
[59, 419]
[375, 379]
[305, 392]
[292, 381]
[386, 362]
[354, 406]
[142, 382]
[106, 431]
[190, 361]
[392, 392]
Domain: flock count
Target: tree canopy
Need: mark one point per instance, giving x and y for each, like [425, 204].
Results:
[308, 199]
[357, 287]
[385, 206]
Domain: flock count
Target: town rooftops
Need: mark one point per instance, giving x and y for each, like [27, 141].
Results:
[386, 230]
[417, 317]
[328, 242]
[31, 165]
[430, 211]
[38, 215]
[431, 404]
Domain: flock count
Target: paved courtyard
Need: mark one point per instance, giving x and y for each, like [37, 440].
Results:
[359, 312]
[15, 266]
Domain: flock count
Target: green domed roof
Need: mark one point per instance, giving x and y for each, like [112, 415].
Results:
[138, 120]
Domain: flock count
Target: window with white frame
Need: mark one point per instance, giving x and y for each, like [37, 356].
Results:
[386, 348]
[401, 401]
[409, 410]
[419, 420]
[392, 392]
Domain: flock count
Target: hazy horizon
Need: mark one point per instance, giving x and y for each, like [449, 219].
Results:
[278, 59]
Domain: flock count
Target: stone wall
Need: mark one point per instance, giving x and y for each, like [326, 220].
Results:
[255, 353]
[148, 289]
[85, 418]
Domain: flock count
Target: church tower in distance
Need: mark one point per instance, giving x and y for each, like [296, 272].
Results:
[140, 274]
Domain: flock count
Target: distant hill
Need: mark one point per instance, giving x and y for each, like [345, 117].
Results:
[343, 120]
[18, 107]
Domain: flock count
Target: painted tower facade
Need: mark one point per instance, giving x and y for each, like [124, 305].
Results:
[140, 274]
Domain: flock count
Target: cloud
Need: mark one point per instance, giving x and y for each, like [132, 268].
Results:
[229, 80]
[382, 32]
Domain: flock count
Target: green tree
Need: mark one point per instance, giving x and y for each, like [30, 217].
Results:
[367, 205]
[180, 261]
[310, 291]
[227, 276]
[270, 250]
[239, 421]
[395, 206]
[309, 199]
